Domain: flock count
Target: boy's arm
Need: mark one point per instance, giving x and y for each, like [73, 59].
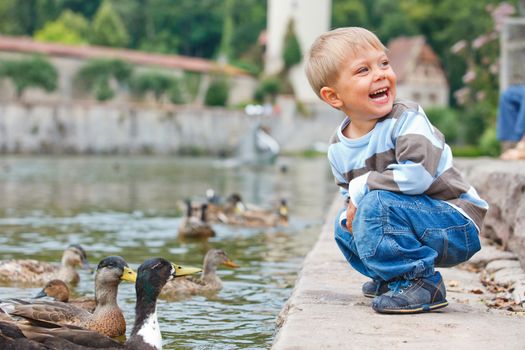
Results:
[418, 149]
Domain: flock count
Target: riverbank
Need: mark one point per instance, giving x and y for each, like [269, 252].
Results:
[327, 310]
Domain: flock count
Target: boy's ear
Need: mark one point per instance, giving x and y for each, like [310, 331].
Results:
[330, 96]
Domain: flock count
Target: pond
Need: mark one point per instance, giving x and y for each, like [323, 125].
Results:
[130, 206]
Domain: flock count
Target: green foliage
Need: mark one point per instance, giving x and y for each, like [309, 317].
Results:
[268, 89]
[349, 13]
[191, 82]
[97, 74]
[227, 31]
[155, 82]
[175, 92]
[217, 94]
[291, 50]
[489, 144]
[108, 29]
[102, 90]
[69, 28]
[446, 120]
[33, 72]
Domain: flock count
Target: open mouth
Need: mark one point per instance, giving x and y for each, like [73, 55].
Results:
[379, 94]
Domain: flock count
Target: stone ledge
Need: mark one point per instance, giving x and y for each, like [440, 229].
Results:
[502, 185]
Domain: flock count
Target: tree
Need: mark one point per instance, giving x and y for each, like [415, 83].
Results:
[108, 29]
[33, 72]
[349, 13]
[292, 50]
[69, 28]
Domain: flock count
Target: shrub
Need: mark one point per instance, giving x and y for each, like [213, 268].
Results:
[446, 120]
[96, 75]
[217, 94]
[33, 72]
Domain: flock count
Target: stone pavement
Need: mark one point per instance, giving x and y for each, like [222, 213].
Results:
[328, 311]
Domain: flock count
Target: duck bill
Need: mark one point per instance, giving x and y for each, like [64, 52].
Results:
[230, 263]
[40, 294]
[184, 270]
[129, 275]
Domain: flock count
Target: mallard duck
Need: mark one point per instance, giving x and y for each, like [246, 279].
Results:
[107, 318]
[34, 272]
[195, 227]
[58, 290]
[152, 275]
[207, 283]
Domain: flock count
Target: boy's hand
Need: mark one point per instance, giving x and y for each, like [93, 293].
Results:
[350, 213]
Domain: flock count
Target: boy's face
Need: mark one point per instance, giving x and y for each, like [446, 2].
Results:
[366, 87]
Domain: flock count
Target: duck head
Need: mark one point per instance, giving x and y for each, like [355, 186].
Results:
[75, 255]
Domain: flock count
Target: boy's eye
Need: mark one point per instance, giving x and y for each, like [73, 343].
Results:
[362, 70]
[385, 63]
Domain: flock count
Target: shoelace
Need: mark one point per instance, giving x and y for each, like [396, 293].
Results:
[399, 285]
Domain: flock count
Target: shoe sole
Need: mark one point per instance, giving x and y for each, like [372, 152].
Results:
[416, 310]
[371, 295]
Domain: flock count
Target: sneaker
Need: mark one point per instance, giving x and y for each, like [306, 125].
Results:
[419, 295]
[372, 289]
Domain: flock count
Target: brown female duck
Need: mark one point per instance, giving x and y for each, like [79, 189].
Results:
[34, 272]
[58, 290]
[193, 226]
[107, 318]
[240, 214]
[152, 276]
[209, 282]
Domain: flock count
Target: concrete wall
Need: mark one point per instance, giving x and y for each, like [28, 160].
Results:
[128, 129]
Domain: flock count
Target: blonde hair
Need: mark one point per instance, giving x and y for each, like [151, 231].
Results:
[330, 49]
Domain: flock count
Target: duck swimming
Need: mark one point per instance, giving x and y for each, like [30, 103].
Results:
[209, 282]
[195, 227]
[240, 214]
[34, 272]
[152, 275]
[58, 290]
[107, 318]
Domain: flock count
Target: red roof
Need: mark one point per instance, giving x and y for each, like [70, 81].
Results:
[27, 45]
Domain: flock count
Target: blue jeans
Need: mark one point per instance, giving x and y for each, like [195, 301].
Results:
[402, 236]
[510, 124]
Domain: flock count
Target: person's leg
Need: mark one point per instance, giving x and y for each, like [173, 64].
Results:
[510, 124]
[346, 244]
[403, 237]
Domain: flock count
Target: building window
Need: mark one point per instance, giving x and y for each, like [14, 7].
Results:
[416, 96]
[433, 98]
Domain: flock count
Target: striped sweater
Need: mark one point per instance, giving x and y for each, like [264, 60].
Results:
[404, 153]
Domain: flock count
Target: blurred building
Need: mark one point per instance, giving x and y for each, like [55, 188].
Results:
[512, 50]
[69, 59]
[420, 76]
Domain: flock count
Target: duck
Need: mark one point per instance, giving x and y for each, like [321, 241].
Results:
[209, 282]
[34, 272]
[192, 226]
[59, 291]
[240, 214]
[152, 275]
[107, 318]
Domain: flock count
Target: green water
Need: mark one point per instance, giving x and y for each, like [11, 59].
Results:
[128, 206]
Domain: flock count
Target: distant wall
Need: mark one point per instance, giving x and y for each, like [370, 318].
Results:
[132, 129]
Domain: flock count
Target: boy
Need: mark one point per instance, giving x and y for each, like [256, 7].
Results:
[408, 209]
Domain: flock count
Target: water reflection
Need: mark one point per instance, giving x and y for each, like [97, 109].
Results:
[128, 206]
